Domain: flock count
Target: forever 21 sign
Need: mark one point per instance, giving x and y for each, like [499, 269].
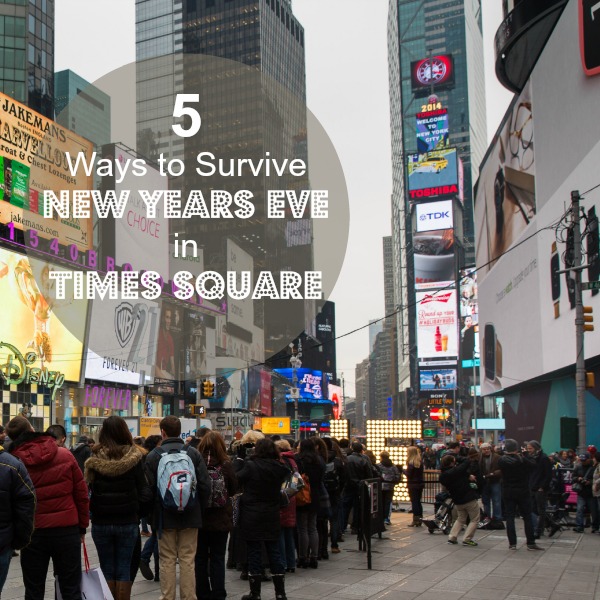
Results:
[589, 34]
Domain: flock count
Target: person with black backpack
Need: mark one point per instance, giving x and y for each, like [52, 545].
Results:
[390, 476]
[179, 480]
[218, 519]
[334, 480]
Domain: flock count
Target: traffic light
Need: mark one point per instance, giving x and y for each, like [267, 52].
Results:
[590, 380]
[197, 410]
[588, 318]
[208, 388]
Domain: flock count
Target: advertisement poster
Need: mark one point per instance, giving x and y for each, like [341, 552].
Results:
[439, 379]
[33, 159]
[140, 240]
[505, 201]
[434, 259]
[432, 130]
[437, 324]
[36, 320]
[433, 174]
[122, 341]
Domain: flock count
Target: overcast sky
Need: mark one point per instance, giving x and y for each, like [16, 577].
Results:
[347, 82]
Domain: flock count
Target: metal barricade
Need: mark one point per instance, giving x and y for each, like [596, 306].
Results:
[432, 486]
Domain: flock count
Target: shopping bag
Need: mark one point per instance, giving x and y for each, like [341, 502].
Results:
[93, 583]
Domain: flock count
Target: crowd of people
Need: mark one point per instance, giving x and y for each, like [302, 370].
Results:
[262, 502]
[512, 480]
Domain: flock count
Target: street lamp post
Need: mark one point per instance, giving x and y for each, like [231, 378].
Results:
[295, 392]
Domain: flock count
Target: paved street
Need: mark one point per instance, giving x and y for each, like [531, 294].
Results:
[410, 564]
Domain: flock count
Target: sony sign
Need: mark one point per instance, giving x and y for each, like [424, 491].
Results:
[434, 215]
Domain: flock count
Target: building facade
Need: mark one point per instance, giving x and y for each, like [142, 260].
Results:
[27, 53]
[82, 107]
[438, 121]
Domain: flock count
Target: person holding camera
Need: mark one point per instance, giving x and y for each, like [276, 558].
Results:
[462, 482]
[516, 470]
[583, 477]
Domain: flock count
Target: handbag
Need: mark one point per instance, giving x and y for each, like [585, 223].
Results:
[303, 497]
[93, 583]
[577, 487]
[236, 504]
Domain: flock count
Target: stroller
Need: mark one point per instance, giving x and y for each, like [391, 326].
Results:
[442, 520]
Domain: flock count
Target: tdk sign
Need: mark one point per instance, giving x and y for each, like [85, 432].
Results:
[434, 215]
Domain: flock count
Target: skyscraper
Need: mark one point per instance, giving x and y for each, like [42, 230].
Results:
[245, 59]
[435, 50]
[27, 53]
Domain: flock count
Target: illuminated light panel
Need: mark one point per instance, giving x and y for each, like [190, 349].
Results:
[338, 428]
[378, 431]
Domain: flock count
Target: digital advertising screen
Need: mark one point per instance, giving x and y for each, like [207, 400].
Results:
[310, 384]
[36, 320]
[434, 259]
[432, 216]
[433, 131]
[435, 71]
[437, 324]
[437, 379]
[432, 174]
[33, 159]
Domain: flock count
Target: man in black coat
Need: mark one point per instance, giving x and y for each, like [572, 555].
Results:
[461, 482]
[17, 509]
[516, 472]
[539, 483]
[178, 531]
[358, 467]
[82, 451]
[583, 474]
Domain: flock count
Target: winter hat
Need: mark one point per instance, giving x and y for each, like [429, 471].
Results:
[511, 445]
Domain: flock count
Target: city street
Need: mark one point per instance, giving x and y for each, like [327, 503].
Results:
[412, 564]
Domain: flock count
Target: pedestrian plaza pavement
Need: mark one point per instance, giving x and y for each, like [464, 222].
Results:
[411, 564]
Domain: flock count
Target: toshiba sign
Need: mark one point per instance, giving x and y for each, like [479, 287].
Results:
[433, 216]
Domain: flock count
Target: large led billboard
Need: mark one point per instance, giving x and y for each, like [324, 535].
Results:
[122, 341]
[335, 394]
[469, 317]
[310, 384]
[437, 324]
[35, 320]
[432, 130]
[434, 71]
[434, 259]
[432, 216]
[437, 379]
[33, 159]
[432, 174]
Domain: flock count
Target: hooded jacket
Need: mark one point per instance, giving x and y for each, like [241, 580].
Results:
[260, 502]
[81, 452]
[516, 470]
[62, 495]
[17, 503]
[119, 490]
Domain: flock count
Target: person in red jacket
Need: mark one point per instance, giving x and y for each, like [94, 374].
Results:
[61, 515]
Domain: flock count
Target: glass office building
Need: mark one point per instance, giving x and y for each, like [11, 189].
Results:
[27, 53]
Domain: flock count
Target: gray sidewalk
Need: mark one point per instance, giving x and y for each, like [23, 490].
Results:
[413, 564]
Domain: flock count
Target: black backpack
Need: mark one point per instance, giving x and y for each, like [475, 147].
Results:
[331, 479]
